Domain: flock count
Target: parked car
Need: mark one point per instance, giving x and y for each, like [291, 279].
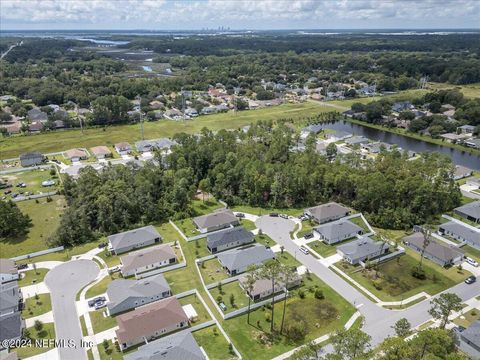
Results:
[91, 303]
[471, 261]
[7, 192]
[14, 195]
[100, 299]
[308, 236]
[304, 250]
[303, 217]
[470, 280]
[114, 269]
[222, 306]
[102, 245]
[22, 266]
[240, 215]
[100, 305]
[273, 214]
[283, 216]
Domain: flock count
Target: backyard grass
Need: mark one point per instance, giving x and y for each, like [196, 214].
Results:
[35, 307]
[265, 211]
[202, 312]
[110, 353]
[101, 287]
[47, 332]
[33, 179]
[395, 282]
[359, 222]
[233, 288]
[468, 318]
[45, 219]
[168, 232]
[199, 247]
[110, 260]
[28, 277]
[201, 207]
[213, 343]
[318, 317]
[212, 271]
[57, 141]
[101, 322]
[183, 279]
[187, 227]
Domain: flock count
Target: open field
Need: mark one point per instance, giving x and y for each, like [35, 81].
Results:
[33, 179]
[468, 318]
[58, 141]
[45, 219]
[227, 290]
[214, 343]
[470, 90]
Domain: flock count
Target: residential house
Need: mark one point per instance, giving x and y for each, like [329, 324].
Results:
[321, 147]
[181, 345]
[402, 106]
[441, 254]
[124, 295]
[11, 327]
[209, 110]
[362, 249]
[468, 340]
[473, 182]
[191, 112]
[75, 170]
[133, 239]
[310, 129]
[13, 128]
[338, 135]
[36, 114]
[151, 321]
[464, 233]
[474, 143]
[8, 271]
[173, 114]
[227, 239]
[461, 172]
[35, 127]
[337, 231]
[32, 158]
[469, 211]
[327, 212]
[101, 152]
[356, 140]
[217, 220]
[453, 138]
[123, 148]
[10, 298]
[262, 288]
[466, 129]
[147, 259]
[150, 145]
[237, 261]
[75, 155]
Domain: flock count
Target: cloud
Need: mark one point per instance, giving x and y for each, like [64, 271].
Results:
[238, 13]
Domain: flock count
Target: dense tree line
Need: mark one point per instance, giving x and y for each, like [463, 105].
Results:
[12, 221]
[260, 171]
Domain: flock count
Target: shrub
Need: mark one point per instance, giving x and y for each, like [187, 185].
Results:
[38, 325]
[419, 273]
[296, 330]
[105, 343]
[268, 317]
[377, 285]
[219, 298]
[319, 294]
[301, 293]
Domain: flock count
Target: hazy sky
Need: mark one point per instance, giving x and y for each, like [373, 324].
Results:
[238, 14]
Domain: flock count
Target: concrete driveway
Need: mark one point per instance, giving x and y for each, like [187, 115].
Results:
[64, 282]
[378, 320]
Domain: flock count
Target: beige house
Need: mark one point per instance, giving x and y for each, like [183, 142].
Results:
[101, 152]
[75, 155]
[147, 260]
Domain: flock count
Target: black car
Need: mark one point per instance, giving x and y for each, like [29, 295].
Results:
[273, 214]
[91, 303]
[22, 266]
[240, 215]
[102, 245]
[308, 236]
[470, 280]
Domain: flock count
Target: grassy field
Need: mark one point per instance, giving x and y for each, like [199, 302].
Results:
[247, 224]
[33, 179]
[168, 233]
[30, 275]
[322, 249]
[101, 287]
[212, 271]
[470, 90]
[264, 239]
[307, 227]
[233, 288]
[53, 142]
[468, 318]
[101, 322]
[199, 247]
[264, 211]
[214, 343]
[48, 332]
[109, 353]
[359, 222]
[395, 282]
[202, 312]
[183, 279]
[45, 219]
[35, 307]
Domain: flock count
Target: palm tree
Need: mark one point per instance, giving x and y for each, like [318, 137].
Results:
[271, 271]
[250, 279]
[288, 274]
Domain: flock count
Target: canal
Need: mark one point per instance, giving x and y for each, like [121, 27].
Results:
[459, 157]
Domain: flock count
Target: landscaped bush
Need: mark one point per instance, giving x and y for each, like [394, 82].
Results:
[296, 330]
[319, 294]
[418, 273]
[301, 294]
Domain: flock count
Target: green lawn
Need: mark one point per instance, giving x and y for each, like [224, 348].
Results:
[264, 239]
[264, 211]
[247, 224]
[34, 307]
[359, 222]
[470, 90]
[307, 227]
[58, 141]
[100, 322]
[183, 279]
[29, 276]
[471, 252]
[110, 260]
[201, 207]
[323, 249]
[287, 259]
[187, 227]
[318, 317]
[45, 219]
[33, 179]
[111, 353]
[199, 247]
[468, 318]
[240, 298]
[101, 287]
[212, 271]
[214, 343]
[83, 325]
[202, 312]
[168, 232]
[395, 282]
[48, 332]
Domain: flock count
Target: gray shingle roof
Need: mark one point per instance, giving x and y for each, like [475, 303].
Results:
[356, 140]
[11, 326]
[132, 237]
[462, 231]
[119, 290]
[472, 209]
[9, 295]
[243, 257]
[7, 266]
[338, 229]
[147, 145]
[217, 218]
[181, 345]
[361, 247]
[472, 334]
[326, 211]
[228, 236]
[433, 248]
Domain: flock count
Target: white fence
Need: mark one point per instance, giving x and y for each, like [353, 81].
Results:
[38, 253]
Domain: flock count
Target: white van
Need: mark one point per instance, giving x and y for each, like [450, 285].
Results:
[471, 261]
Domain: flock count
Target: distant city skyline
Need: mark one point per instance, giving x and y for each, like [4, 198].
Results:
[238, 14]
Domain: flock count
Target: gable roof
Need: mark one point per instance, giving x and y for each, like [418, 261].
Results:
[75, 153]
[361, 247]
[132, 237]
[465, 232]
[228, 236]
[434, 248]
[217, 218]
[472, 334]
[314, 128]
[181, 345]
[147, 145]
[147, 256]
[328, 210]
[31, 155]
[243, 257]
[120, 290]
[472, 209]
[149, 318]
[7, 266]
[356, 140]
[338, 229]
[122, 146]
[100, 150]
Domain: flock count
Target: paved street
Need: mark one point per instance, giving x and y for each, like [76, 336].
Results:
[64, 282]
[378, 320]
